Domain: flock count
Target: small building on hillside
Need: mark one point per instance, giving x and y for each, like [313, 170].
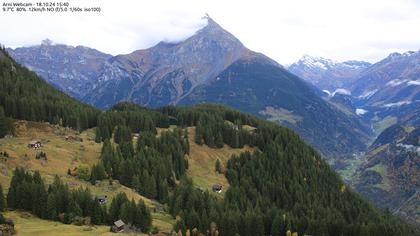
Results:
[217, 188]
[34, 144]
[70, 138]
[118, 226]
[102, 199]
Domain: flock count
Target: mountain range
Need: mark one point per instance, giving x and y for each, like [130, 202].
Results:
[210, 66]
[382, 94]
[385, 95]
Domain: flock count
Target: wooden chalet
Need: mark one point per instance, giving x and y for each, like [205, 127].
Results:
[118, 226]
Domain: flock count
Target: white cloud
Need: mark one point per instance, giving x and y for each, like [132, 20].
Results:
[284, 30]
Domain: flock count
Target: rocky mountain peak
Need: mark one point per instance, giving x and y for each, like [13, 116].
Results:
[215, 33]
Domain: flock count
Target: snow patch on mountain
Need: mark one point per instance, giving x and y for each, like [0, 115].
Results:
[327, 92]
[395, 82]
[341, 91]
[360, 111]
[409, 147]
[413, 82]
[397, 104]
[368, 94]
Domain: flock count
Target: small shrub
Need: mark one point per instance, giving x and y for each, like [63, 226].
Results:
[41, 155]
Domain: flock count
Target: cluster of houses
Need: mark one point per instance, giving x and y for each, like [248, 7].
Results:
[35, 144]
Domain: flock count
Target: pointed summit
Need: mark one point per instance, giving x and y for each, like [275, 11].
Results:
[213, 32]
[210, 21]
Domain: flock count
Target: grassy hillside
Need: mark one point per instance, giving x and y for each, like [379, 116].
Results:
[202, 161]
[27, 224]
[63, 155]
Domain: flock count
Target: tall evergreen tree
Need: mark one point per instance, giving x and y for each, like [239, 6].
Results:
[2, 199]
[5, 124]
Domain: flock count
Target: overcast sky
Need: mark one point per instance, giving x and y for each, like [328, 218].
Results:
[284, 30]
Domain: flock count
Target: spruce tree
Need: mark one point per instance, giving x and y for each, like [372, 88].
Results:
[4, 123]
[219, 140]
[96, 212]
[218, 166]
[2, 199]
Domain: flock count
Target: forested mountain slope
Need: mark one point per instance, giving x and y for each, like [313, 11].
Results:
[23, 95]
[283, 185]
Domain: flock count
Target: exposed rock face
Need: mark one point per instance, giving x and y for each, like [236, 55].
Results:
[73, 70]
[167, 72]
